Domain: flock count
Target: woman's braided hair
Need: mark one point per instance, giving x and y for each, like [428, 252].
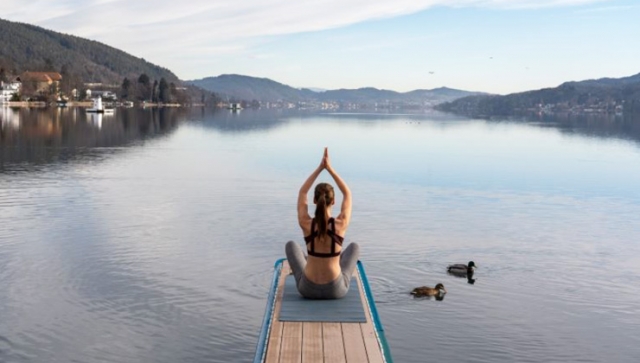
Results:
[323, 197]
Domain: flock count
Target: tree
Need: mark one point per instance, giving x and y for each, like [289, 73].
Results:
[144, 87]
[154, 92]
[126, 88]
[48, 65]
[173, 90]
[69, 80]
[163, 91]
[53, 91]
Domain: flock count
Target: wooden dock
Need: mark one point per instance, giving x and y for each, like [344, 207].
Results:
[306, 342]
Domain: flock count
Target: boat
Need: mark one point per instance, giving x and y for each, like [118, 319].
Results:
[235, 106]
[324, 339]
[98, 107]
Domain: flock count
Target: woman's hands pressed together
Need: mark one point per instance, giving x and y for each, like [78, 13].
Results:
[325, 163]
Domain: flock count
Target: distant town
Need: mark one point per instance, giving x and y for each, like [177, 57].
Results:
[48, 88]
[42, 89]
[34, 89]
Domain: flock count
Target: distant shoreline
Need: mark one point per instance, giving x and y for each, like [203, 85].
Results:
[83, 104]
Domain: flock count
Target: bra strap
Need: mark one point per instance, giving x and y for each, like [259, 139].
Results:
[313, 239]
[333, 229]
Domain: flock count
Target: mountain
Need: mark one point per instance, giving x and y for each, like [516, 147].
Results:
[30, 48]
[364, 95]
[240, 87]
[236, 86]
[596, 95]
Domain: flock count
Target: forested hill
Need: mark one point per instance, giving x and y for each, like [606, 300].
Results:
[26, 47]
[240, 87]
[369, 94]
[606, 95]
[264, 89]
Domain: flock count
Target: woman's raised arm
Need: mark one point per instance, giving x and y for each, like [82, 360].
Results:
[303, 208]
[345, 209]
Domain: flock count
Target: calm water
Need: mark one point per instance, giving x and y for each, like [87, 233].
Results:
[150, 236]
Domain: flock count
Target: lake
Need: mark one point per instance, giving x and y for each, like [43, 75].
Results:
[150, 235]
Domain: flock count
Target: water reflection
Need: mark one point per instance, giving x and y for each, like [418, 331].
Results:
[239, 122]
[42, 136]
[625, 127]
[438, 297]
[164, 253]
[468, 276]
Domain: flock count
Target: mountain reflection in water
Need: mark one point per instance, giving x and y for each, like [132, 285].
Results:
[41, 136]
[150, 235]
[625, 127]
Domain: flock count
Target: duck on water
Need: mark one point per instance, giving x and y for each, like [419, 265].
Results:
[421, 291]
[461, 269]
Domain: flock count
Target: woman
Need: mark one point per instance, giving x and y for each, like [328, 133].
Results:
[326, 274]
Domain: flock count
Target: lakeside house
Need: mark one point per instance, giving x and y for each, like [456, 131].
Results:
[8, 89]
[38, 82]
[105, 95]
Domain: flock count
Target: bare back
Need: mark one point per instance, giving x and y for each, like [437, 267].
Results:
[322, 270]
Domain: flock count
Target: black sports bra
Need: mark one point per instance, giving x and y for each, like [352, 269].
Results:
[335, 240]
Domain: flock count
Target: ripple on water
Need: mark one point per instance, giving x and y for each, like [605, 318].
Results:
[164, 251]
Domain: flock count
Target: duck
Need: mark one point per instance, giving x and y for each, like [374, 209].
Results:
[461, 269]
[429, 291]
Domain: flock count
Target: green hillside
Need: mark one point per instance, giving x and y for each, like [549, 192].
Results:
[606, 95]
[233, 86]
[26, 47]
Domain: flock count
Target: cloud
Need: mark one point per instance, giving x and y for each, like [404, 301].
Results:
[155, 29]
[230, 18]
[603, 9]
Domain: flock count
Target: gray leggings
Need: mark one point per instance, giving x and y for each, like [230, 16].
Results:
[333, 290]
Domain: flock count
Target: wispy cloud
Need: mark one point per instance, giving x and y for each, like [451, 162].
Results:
[527, 4]
[606, 9]
[205, 21]
[205, 28]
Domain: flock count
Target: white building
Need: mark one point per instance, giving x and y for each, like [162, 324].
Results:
[8, 89]
[106, 95]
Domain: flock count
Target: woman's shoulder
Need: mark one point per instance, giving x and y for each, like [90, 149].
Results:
[307, 226]
[341, 225]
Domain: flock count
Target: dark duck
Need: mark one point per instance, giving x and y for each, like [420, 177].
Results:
[461, 269]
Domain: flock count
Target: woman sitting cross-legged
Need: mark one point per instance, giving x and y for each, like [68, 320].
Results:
[326, 274]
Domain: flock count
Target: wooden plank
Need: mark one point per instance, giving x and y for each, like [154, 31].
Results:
[312, 342]
[317, 342]
[368, 331]
[333, 345]
[353, 343]
[291, 351]
[275, 335]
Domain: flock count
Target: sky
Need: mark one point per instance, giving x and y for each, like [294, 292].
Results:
[496, 46]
